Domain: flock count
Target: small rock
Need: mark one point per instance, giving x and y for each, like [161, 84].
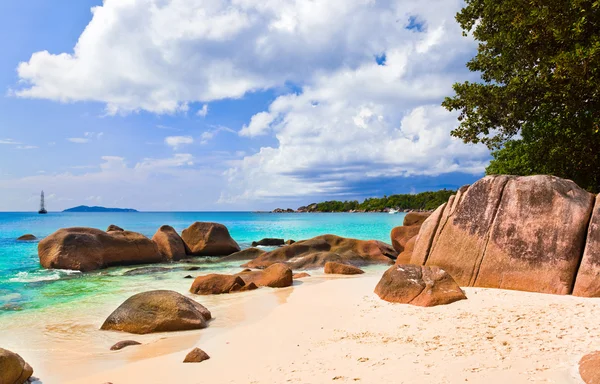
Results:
[269, 242]
[27, 237]
[192, 268]
[188, 277]
[196, 355]
[342, 269]
[300, 275]
[114, 228]
[290, 242]
[122, 344]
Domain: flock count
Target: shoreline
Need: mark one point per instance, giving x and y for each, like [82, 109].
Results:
[332, 328]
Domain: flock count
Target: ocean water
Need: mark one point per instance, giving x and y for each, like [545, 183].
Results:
[25, 286]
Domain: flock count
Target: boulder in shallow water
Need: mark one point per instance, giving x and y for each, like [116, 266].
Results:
[13, 369]
[589, 368]
[342, 269]
[418, 285]
[269, 242]
[169, 243]
[246, 254]
[122, 344]
[146, 271]
[401, 235]
[196, 355]
[275, 276]
[208, 239]
[114, 228]
[216, 284]
[27, 237]
[315, 252]
[157, 311]
[88, 249]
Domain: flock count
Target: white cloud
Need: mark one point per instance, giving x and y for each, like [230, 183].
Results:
[204, 111]
[26, 147]
[9, 142]
[88, 137]
[177, 141]
[78, 140]
[206, 136]
[161, 55]
[348, 119]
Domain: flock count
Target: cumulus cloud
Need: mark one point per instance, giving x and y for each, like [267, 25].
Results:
[88, 137]
[78, 140]
[176, 142]
[367, 79]
[203, 111]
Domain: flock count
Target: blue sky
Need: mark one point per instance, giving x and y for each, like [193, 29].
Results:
[228, 105]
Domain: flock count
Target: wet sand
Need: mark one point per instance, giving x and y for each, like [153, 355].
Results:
[336, 330]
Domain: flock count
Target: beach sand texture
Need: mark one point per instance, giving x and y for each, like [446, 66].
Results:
[337, 330]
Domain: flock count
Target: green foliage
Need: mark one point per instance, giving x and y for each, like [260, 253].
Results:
[424, 200]
[539, 62]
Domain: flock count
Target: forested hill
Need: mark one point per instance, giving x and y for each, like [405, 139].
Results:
[420, 201]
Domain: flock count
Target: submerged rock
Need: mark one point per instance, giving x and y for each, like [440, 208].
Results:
[342, 269]
[157, 311]
[418, 285]
[27, 237]
[169, 243]
[314, 253]
[246, 254]
[88, 249]
[196, 355]
[274, 276]
[122, 344]
[13, 369]
[269, 242]
[216, 284]
[208, 239]
[146, 271]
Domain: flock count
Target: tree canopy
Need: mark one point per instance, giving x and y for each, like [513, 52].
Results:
[423, 200]
[537, 105]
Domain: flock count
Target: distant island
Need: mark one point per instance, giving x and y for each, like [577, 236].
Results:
[85, 208]
[424, 201]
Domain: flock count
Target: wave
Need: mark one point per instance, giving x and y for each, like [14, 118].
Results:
[38, 276]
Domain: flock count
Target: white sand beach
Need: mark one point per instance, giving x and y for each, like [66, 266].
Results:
[335, 329]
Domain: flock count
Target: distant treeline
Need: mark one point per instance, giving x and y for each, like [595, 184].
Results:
[419, 201]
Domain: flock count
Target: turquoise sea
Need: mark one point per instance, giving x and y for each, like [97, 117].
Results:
[24, 286]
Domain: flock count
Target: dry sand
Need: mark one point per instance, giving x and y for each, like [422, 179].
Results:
[338, 331]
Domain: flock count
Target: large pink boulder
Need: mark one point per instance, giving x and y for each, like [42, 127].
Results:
[587, 283]
[523, 233]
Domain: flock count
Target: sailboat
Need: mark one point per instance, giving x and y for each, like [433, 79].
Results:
[42, 210]
[393, 211]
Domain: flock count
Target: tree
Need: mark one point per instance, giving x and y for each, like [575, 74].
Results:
[538, 103]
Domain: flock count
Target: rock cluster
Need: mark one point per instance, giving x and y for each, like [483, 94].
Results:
[87, 249]
[275, 276]
[315, 252]
[534, 233]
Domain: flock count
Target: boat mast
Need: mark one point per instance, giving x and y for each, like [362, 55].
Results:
[42, 208]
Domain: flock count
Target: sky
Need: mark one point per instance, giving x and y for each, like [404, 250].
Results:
[218, 105]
